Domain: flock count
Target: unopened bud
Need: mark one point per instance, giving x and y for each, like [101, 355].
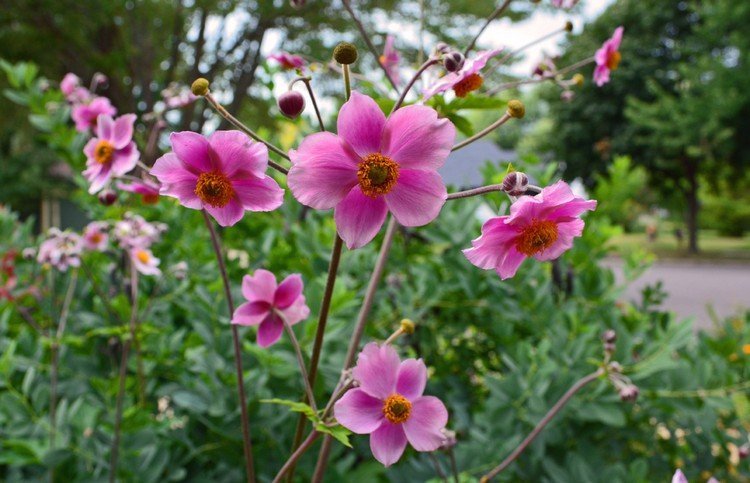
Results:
[567, 95]
[442, 47]
[578, 79]
[453, 61]
[28, 253]
[609, 347]
[179, 270]
[450, 439]
[200, 86]
[609, 336]
[107, 197]
[515, 183]
[516, 109]
[615, 367]
[568, 26]
[345, 53]
[629, 393]
[744, 451]
[407, 326]
[291, 104]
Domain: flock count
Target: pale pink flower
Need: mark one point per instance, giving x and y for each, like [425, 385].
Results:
[86, 114]
[374, 165]
[466, 80]
[608, 57]
[389, 405]
[288, 61]
[224, 174]
[541, 226]
[268, 302]
[176, 96]
[95, 237]
[564, 3]
[61, 249]
[134, 231]
[144, 261]
[390, 60]
[112, 152]
[148, 190]
[69, 84]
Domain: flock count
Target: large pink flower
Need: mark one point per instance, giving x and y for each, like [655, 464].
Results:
[390, 60]
[86, 114]
[224, 174]
[541, 226]
[267, 302]
[389, 405]
[288, 61]
[374, 165]
[112, 152]
[466, 80]
[608, 58]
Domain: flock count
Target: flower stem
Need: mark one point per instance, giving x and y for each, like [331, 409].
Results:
[438, 468]
[580, 384]
[347, 81]
[483, 132]
[247, 442]
[475, 192]
[417, 75]
[509, 55]
[498, 11]
[296, 455]
[300, 361]
[454, 466]
[314, 102]
[563, 71]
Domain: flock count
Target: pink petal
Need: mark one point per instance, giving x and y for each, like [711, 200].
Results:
[232, 151]
[411, 378]
[269, 331]
[99, 176]
[104, 127]
[260, 287]
[510, 262]
[679, 477]
[122, 131]
[415, 138]
[442, 85]
[324, 170]
[227, 215]
[184, 191]
[566, 231]
[617, 38]
[377, 370]
[428, 417]
[417, 197]
[170, 169]
[490, 246]
[601, 75]
[359, 412]
[296, 312]
[192, 149]
[388, 443]
[125, 159]
[259, 194]
[359, 218]
[90, 147]
[251, 313]
[573, 208]
[288, 291]
[360, 124]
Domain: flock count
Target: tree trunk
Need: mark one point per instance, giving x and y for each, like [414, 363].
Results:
[691, 195]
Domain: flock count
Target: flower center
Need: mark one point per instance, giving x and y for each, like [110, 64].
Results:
[468, 84]
[614, 60]
[214, 189]
[103, 152]
[537, 237]
[150, 198]
[377, 174]
[96, 238]
[142, 256]
[397, 408]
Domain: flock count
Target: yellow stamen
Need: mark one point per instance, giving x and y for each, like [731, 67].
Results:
[214, 189]
[468, 84]
[377, 174]
[537, 237]
[613, 61]
[104, 151]
[142, 256]
[397, 408]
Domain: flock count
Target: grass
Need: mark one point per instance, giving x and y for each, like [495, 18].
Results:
[712, 246]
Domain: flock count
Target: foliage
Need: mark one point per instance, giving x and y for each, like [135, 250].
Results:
[625, 187]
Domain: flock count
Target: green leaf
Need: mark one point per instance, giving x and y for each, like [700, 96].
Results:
[296, 406]
[337, 431]
[461, 123]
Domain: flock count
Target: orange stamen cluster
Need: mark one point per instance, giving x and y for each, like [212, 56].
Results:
[104, 151]
[142, 256]
[396, 408]
[537, 237]
[377, 174]
[614, 60]
[214, 189]
[468, 84]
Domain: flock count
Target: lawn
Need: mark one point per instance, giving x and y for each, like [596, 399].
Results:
[711, 244]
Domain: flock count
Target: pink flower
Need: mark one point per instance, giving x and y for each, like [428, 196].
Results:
[608, 58]
[390, 60]
[61, 249]
[466, 80]
[69, 84]
[374, 165]
[564, 3]
[148, 190]
[144, 261]
[288, 61]
[541, 226]
[86, 114]
[267, 302]
[389, 405]
[112, 152]
[176, 96]
[224, 174]
[95, 237]
[135, 232]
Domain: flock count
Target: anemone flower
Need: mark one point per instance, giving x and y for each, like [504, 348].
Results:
[86, 114]
[390, 60]
[61, 249]
[608, 58]
[267, 302]
[112, 152]
[541, 226]
[466, 80]
[288, 61]
[144, 261]
[389, 405]
[224, 174]
[95, 237]
[148, 190]
[374, 165]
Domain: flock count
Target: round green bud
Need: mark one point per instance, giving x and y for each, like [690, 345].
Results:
[200, 86]
[516, 109]
[407, 326]
[578, 79]
[569, 26]
[345, 53]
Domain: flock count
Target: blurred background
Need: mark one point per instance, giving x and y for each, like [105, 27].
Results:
[664, 147]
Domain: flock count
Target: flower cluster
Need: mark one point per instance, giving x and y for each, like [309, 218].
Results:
[60, 250]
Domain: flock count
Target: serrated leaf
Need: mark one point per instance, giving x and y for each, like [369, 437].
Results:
[339, 432]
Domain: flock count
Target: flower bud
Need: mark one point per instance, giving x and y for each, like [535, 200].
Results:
[407, 326]
[615, 367]
[568, 26]
[200, 86]
[453, 61]
[107, 197]
[345, 53]
[744, 451]
[609, 336]
[516, 109]
[291, 104]
[567, 95]
[609, 347]
[450, 439]
[179, 270]
[578, 79]
[515, 183]
[28, 253]
[629, 393]
[442, 48]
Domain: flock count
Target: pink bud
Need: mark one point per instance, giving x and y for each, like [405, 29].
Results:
[291, 104]
[515, 183]
[629, 393]
[107, 197]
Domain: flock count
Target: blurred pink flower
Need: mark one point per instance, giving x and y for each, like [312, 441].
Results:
[69, 84]
[134, 231]
[176, 96]
[85, 114]
[112, 152]
[374, 165]
[224, 174]
[564, 3]
[389, 405]
[390, 60]
[267, 302]
[148, 190]
[95, 236]
[541, 226]
[288, 61]
[61, 249]
[466, 80]
[608, 58]
[144, 261]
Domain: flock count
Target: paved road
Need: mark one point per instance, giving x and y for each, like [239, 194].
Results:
[693, 287]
